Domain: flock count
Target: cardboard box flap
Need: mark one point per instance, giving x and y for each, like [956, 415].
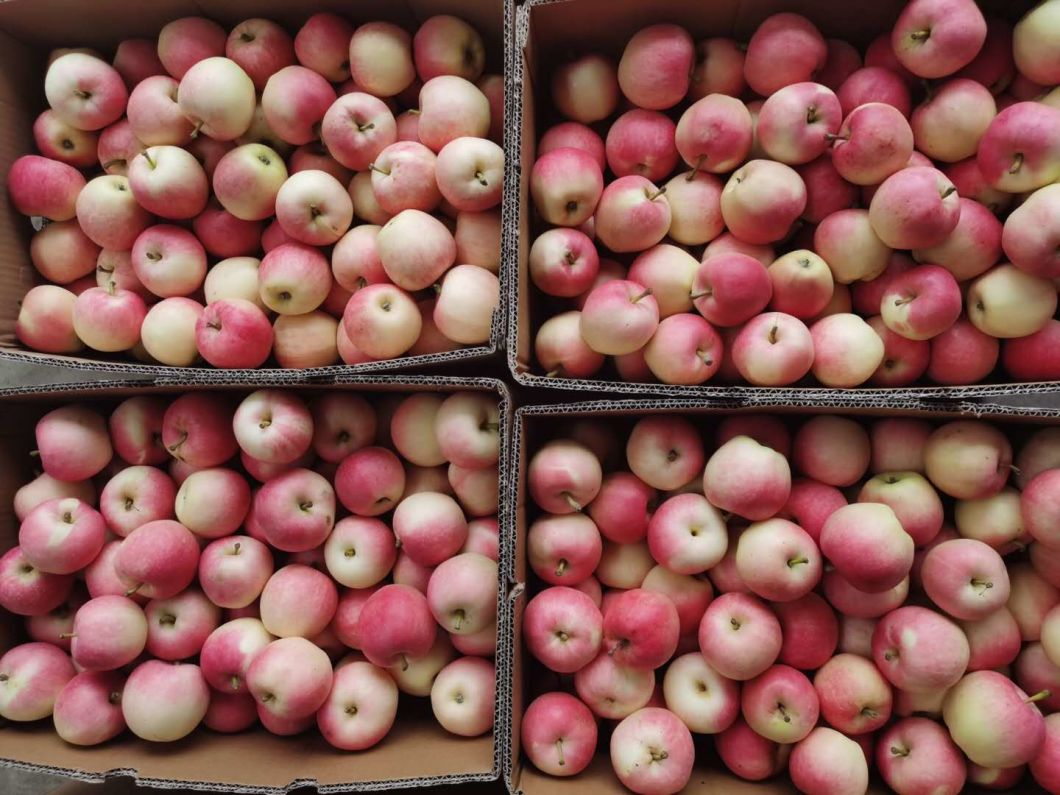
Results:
[258, 761]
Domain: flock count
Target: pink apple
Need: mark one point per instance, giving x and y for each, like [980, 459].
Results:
[778, 560]
[655, 65]
[370, 481]
[632, 214]
[786, 48]
[430, 527]
[563, 628]
[619, 317]
[780, 704]
[385, 643]
[641, 142]
[739, 636]
[1013, 735]
[233, 570]
[828, 761]
[1018, 152]
[42, 186]
[757, 497]
[33, 674]
[762, 200]
[559, 734]
[868, 546]
[296, 510]
[72, 443]
[84, 91]
[934, 38]
[234, 332]
[61, 536]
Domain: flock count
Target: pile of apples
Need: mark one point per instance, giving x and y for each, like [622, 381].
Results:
[822, 597]
[298, 565]
[230, 196]
[788, 209]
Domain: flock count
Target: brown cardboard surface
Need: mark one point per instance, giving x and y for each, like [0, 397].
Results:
[257, 761]
[549, 31]
[534, 425]
[417, 752]
[30, 28]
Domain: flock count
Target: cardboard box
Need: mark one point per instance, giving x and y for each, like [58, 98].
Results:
[548, 32]
[535, 425]
[29, 29]
[416, 753]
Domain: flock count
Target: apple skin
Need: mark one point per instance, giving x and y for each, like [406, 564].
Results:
[786, 48]
[917, 649]
[635, 756]
[1014, 734]
[559, 734]
[654, 69]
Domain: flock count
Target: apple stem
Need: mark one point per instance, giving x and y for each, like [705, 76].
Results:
[773, 335]
[706, 358]
[134, 589]
[920, 35]
[552, 373]
[699, 165]
[404, 663]
[235, 549]
[659, 192]
[949, 191]
[414, 111]
[645, 294]
[982, 585]
[82, 94]
[34, 454]
[658, 756]
[703, 294]
[784, 713]
[811, 114]
[561, 567]
[1017, 163]
[797, 561]
[365, 127]
[869, 712]
[691, 175]
[570, 258]
[902, 301]
[834, 137]
[66, 635]
[481, 179]
[374, 167]
[147, 157]
[735, 623]
[899, 751]
[1041, 694]
[573, 503]
[890, 654]
[559, 750]
[198, 128]
[234, 681]
[111, 163]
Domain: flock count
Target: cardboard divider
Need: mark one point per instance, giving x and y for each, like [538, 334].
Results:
[537, 424]
[547, 32]
[29, 29]
[417, 752]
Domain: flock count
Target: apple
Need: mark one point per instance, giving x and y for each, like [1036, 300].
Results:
[917, 649]
[1007, 302]
[778, 560]
[786, 48]
[619, 317]
[1018, 153]
[755, 498]
[868, 546]
[762, 200]
[654, 70]
[967, 459]
[739, 636]
[847, 351]
[61, 536]
[295, 510]
[714, 134]
[462, 696]
[559, 734]
[828, 761]
[780, 704]
[1013, 735]
[632, 214]
[385, 643]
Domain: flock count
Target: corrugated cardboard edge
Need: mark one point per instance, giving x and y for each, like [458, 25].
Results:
[461, 355]
[513, 210]
[865, 405]
[505, 518]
